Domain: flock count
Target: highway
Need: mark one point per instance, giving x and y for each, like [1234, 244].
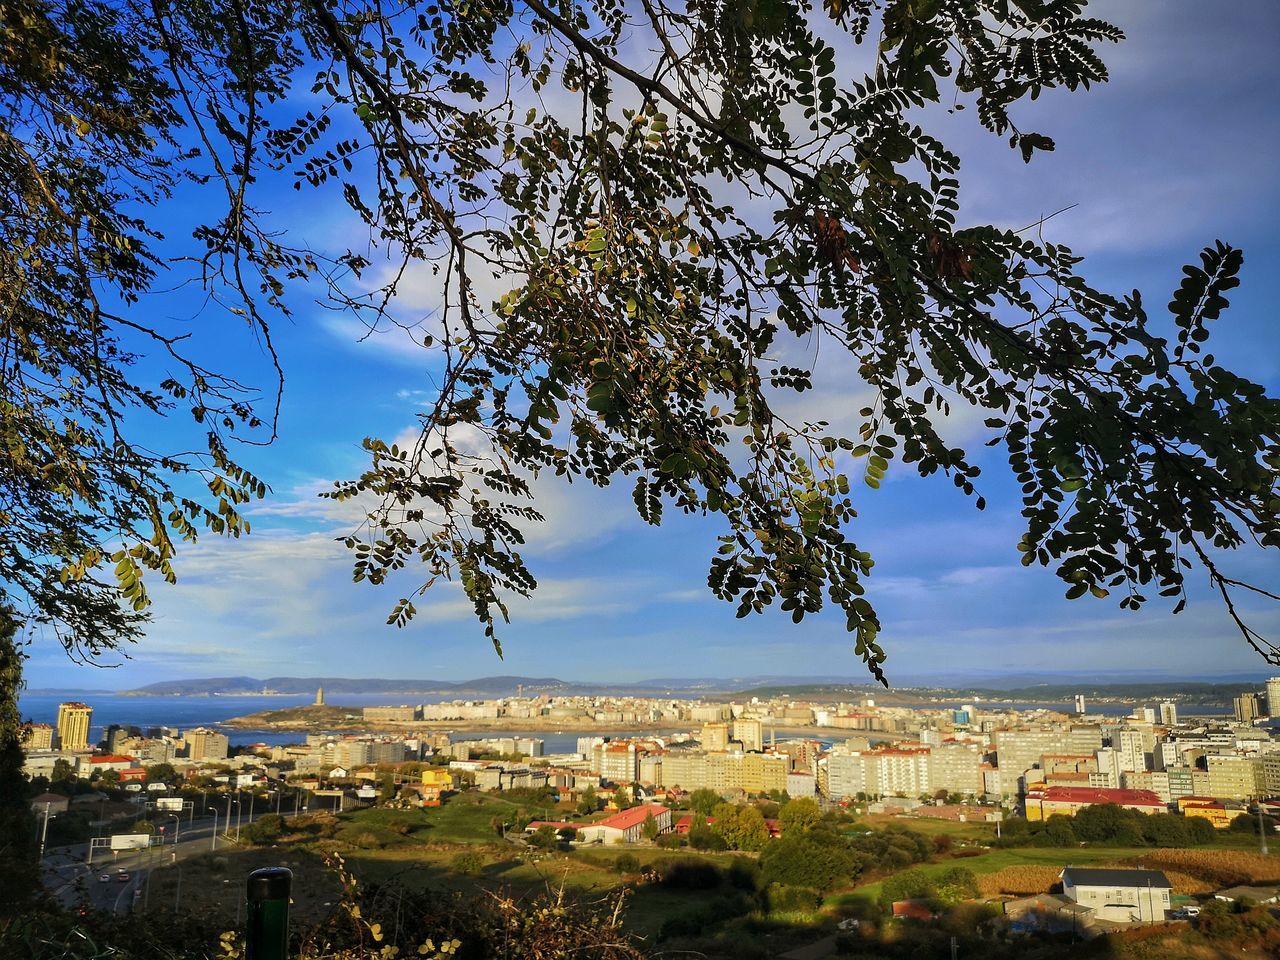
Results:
[78, 884]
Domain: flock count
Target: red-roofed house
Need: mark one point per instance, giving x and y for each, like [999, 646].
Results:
[685, 822]
[626, 826]
[1044, 802]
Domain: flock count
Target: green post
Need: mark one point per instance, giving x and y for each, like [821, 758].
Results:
[267, 926]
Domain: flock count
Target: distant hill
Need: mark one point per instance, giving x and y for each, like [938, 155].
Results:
[1217, 691]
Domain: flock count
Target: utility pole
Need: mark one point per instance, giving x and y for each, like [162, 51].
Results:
[44, 831]
[177, 894]
[1262, 828]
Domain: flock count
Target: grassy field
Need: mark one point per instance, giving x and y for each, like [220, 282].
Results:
[213, 884]
[421, 849]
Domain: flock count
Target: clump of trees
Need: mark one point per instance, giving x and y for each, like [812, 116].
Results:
[1108, 824]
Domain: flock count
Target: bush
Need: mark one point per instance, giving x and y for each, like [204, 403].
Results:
[689, 873]
[908, 885]
[670, 841]
[264, 830]
[954, 885]
[744, 874]
[781, 898]
[627, 863]
[468, 863]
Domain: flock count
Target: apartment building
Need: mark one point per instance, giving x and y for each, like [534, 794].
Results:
[1233, 777]
[1247, 707]
[957, 767]
[73, 726]
[749, 731]
[205, 744]
[37, 736]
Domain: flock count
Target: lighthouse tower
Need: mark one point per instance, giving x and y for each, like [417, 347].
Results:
[319, 697]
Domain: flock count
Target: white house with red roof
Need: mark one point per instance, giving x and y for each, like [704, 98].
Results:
[626, 826]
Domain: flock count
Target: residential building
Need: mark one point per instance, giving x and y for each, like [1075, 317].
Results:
[1269, 765]
[1044, 802]
[1131, 749]
[846, 775]
[715, 736]
[764, 772]
[1217, 812]
[957, 767]
[1247, 707]
[1122, 896]
[616, 761]
[73, 726]
[1169, 713]
[1152, 781]
[401, 714]
[37, 736]
[904, 772]
[1273, 697]
[748, 731]
[686, 769]
[1233, 777]
[206, 744]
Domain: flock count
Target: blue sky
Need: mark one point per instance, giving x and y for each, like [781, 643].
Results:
[1177, 151]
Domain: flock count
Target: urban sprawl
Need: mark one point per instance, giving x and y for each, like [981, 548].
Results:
[979, 759]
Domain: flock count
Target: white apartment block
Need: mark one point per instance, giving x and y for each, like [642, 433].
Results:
[957, 767]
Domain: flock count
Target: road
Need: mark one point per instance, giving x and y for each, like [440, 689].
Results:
[78, 884]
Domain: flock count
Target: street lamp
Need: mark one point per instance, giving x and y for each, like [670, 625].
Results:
[177, 823]
[44, 831]
[213, 841]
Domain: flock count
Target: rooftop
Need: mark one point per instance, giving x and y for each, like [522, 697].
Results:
[1095, 795]
[1098, 877]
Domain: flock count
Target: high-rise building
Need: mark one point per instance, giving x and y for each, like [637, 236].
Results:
[1169, 713]
[73, 725]
[715, 736]
[1079, 703]
[1247, 707]
[749, 731]
[205, 744]
[1273, 697]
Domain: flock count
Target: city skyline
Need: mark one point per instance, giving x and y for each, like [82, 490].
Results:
[619, 600]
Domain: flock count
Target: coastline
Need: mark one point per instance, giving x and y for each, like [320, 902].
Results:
[509, 725]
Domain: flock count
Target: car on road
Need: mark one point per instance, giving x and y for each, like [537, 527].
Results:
[1186, 913]
[104, 878]
[122, 877]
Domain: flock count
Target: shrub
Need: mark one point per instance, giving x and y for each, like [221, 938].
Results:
[468, 863]
[954, 885]
[627, 863]
[780, 898]
[908, 885]
[744, 874]
[688, 873]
